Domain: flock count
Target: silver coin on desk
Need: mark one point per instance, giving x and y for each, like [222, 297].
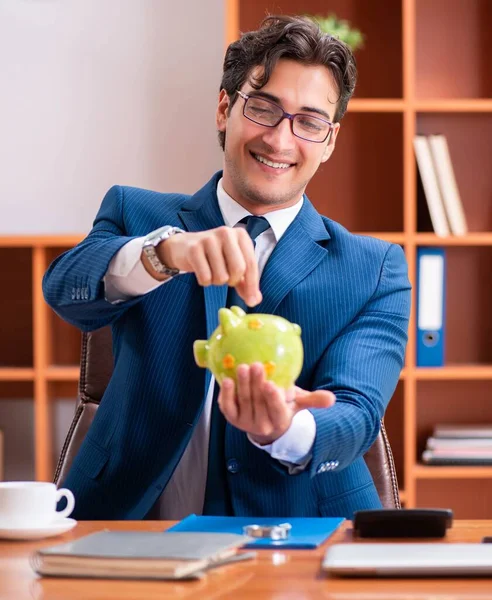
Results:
[272, 532]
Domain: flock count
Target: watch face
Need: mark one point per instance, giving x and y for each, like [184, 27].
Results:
[160, 234]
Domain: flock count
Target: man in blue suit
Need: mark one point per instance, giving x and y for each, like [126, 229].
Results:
[157, 267]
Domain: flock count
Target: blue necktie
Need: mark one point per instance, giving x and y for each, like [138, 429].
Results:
[217, 496]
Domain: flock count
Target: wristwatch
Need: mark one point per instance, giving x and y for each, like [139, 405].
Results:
[152, 241]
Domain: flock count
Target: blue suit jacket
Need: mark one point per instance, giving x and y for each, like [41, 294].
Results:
[350, 295]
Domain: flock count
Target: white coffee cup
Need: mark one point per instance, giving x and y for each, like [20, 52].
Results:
[32, 503]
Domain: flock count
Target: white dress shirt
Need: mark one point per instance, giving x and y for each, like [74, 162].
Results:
[126, 278]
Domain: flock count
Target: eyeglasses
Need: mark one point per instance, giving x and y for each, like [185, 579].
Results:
[267, 113]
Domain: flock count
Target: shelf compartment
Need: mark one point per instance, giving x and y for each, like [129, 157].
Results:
[447, 403]
[347, 188]
[444, 492]
[379, 63]
[16, 339]
[468, 319]
[468, 135]
[17, 424]
[452, 49]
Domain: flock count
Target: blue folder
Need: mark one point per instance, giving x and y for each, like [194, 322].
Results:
[431, 306]
[306, 532]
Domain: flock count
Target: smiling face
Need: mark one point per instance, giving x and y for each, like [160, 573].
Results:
[261, 187]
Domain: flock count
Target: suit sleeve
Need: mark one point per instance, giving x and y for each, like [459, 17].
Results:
[73, 285]
[362, 367]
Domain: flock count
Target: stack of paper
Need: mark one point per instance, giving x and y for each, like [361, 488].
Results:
[459, 445]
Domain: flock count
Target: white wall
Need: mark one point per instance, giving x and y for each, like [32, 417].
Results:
[98, 92]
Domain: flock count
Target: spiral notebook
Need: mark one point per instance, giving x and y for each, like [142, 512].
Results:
[306, 532]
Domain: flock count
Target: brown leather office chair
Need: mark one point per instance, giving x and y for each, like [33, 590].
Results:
[96, 366]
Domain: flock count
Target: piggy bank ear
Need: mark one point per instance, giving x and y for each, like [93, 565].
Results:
[228, 320]
[238, 311]
[296, 328]
[200, 351]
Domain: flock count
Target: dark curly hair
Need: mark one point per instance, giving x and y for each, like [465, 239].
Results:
[294, 38]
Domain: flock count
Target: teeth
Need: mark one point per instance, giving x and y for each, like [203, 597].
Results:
[270, 163]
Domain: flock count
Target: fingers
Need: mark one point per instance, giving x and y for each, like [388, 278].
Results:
[227, 400]
[261, 419]
[249, 287]
[225, 255]
[234, 259]
[316, 399]
[199, 264]
[245, 407]
[279, 413]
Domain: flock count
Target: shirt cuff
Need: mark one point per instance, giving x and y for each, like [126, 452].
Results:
[126, 276]
[296, 444]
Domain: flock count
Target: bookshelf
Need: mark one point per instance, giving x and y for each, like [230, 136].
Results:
[423, 70]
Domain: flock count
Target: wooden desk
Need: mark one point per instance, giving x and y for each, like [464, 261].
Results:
[286, 575]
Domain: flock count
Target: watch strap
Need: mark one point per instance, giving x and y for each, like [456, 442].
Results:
[149, 248]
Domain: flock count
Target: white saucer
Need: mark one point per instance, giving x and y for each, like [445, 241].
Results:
[36, 533]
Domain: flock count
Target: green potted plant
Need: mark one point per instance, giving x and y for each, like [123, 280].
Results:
[341, 29]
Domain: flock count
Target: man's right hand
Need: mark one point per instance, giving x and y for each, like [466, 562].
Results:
[216, 256]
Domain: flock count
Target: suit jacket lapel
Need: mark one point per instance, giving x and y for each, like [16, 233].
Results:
[200, 212]
[293, 258]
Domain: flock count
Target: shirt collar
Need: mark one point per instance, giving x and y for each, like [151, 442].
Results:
[233, 212]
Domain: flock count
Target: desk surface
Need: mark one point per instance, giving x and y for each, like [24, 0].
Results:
[285, 575]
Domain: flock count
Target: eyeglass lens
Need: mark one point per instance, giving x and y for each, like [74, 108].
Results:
[269, 114]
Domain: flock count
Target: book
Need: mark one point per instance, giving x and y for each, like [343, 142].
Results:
[430, 457]
[306, 532]
[447, 184]
[436, 443]
[138, 555]
[431, 187]
[479, 431]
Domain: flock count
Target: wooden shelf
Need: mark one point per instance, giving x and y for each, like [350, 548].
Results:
[435, 472]
[62, 373]
[40, 241]
[376, 105]
[403, 496]
[450, 106]
[472, 239]
[388, 236]
[16, 374]
[449, 372]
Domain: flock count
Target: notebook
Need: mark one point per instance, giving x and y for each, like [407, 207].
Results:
[408, 560]
[306, 532]
[138, 555]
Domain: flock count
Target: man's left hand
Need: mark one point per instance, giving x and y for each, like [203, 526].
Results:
[261, 408]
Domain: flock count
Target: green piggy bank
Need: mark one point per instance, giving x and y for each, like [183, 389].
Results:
[248, 338]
